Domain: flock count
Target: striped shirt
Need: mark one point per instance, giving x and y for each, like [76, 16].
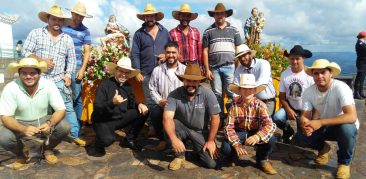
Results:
[221, 44]
[162, 83]
[81, 36]
[190, 45]
[249, 117]
[62, 52]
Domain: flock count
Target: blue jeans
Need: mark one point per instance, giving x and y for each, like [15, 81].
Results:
[223, 76]
[70, 113]
[280, 118]
[344, 134]
[263, 150]
[76, 86]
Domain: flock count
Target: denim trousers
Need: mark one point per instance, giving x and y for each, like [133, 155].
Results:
[280, 118]
[76, 86]
[263, 149]
[222, 77]
[343, 134]
[70, 113]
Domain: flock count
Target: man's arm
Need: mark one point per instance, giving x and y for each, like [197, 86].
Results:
[71, 58]
[210, 144]
[290, 113]
[12, 124]
[349, 116]
[209, 75]
[265, 74]
[86, 56]
[169, 128]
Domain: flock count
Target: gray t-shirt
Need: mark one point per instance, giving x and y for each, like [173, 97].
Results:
[193, 114]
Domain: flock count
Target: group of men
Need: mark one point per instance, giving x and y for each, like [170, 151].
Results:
[170, 67]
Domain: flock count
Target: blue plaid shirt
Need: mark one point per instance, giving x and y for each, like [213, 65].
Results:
[62, 52]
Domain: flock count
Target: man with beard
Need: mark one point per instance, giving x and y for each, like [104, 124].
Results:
[262, 72]
[24, 107]
[219, 42]
[148, 47]
[82, 41]
[188, 37]
[56, 48]
[192, 112]
[163, 81]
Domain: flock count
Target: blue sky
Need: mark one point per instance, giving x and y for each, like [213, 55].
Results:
[320, 26]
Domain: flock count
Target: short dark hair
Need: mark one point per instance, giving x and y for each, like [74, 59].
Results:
[172, 44]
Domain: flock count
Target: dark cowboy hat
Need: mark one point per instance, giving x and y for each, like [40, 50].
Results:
[192, 72]
[220, 8]
[298, 50]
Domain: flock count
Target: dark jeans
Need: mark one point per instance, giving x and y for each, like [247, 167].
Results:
[344, 134]
[105, 130]
[263, 150]
[156, 116]
[198, 139]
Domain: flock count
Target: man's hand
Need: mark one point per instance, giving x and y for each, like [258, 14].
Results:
[31, 130]
[178, 145]
[67, 81]
[143, 109]
[209, 75]
[252, 140]
[80, 74]
[162, 102]
[49, 62]
[306, 129]
[291, 114]
[139, 78]
[240, 151]
[161, 58]
[45, 128]
[118, 99]
[212, 149]
[314, 124]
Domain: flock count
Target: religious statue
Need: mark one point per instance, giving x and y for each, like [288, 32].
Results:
[254, 27]
[116, 34]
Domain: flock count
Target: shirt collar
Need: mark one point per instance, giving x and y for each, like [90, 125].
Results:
[41, 85]
[214, 25]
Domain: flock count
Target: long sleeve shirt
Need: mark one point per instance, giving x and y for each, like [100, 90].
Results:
[249, 117]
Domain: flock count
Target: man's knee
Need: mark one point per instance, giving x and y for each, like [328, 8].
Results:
[8, 139]
[210, 163]
[347, 131]
[62, 129]
[105, 140]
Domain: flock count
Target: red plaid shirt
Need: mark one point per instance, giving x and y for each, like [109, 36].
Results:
[190, 45]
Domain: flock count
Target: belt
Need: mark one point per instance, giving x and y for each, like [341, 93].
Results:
[268, 100]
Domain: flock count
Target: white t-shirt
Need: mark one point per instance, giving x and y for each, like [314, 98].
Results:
[294, 85]
[329, 104]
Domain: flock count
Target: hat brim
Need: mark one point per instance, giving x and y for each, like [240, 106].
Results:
[175, 15]
[80, 13]
[191, 77]
[43, 16]
[112, 69]
[159, 15]
[236, 88]
[228, 12]
[335, 69]
[252, 53]
[305, 54]
[14, 67]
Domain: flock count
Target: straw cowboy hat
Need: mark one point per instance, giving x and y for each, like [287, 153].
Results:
[124, 63]
[246, 81]
[27, 62]
[55, 10]
[184, 8]
[243, 49]
[321, 64]
[361, 35]
[80, 9]
[220, 8]
[298, 50]
[192, 72]
[150, 9]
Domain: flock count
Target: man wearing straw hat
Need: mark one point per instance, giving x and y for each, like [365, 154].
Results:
[56, 48]
[188, 37]
[189, 111]
[82, 41]
[219, 42]
[148, 47]
[24, 107]
[249, 123]
[336, 116]
[115, 108]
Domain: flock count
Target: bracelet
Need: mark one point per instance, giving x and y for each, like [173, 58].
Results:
[49, 123]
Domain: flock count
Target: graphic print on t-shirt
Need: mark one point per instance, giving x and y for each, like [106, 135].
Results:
[295, 89]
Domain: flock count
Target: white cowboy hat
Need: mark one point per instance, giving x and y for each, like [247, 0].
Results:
[184, 8]
[246, 81]
[27, 62]
[55, 10]
[80, 9]
[150, 9]
[124, 63]
[321, 64]
[243, 49]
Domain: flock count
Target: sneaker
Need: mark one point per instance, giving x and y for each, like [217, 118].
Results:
[79, 142]
[50, 157]
[177, 163]
[323, 155]
[343, 171]
[266, 166]
[161, 146]
[288, 133]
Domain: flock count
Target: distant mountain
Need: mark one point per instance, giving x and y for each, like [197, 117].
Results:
[346, 60]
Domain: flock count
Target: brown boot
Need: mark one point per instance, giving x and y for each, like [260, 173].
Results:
[18, 164]
[323, 155]
[343, 171]
[266, 166]
[50, 157]
[177, 163]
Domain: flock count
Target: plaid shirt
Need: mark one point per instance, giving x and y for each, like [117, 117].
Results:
[252, 117]
[62, 52]
[190, 45]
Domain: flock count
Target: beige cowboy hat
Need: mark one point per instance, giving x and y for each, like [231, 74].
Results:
[184, 8]
[55, 10]
[124, 63]
[150, 9]
[192, 72]
[220, 8]
[246, 81]
[80, 9]
[243, 49]
[321, 64]
[27, 62]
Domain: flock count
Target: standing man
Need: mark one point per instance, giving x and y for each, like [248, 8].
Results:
[56, 48]
[189, 112]
[148, 47]
[24, 106]
[262, 72]
[188, 37]
[82, 39]
[360, 65]
[337, 117]
[293, 83]
[219, 42]
[163, 81]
